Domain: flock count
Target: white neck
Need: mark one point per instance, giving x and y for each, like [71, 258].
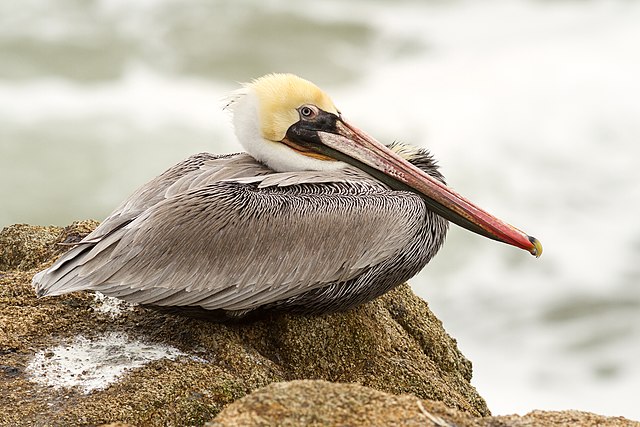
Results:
[276, 155]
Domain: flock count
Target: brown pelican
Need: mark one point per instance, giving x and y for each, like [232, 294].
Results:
[316, 217]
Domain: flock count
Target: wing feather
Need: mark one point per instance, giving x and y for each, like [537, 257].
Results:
[207, 237]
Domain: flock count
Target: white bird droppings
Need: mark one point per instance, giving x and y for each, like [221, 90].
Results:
[110, 305]
[93, 364]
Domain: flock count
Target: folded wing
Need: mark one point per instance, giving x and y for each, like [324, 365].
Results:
[208, 235]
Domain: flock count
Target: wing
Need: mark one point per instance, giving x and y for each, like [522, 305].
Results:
[188, 173]
[199, 168]
[236, 246]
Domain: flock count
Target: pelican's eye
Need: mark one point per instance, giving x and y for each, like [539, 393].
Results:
[308, 112]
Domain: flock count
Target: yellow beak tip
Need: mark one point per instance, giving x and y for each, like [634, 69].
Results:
[536, 249]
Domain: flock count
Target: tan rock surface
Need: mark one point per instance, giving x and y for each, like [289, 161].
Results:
[393, 344]
[322, 403]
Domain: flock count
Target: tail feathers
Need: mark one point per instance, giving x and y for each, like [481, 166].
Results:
[62, 277]
[69, 273]
[36, 282]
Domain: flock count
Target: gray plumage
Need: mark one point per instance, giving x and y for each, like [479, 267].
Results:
[226, 233]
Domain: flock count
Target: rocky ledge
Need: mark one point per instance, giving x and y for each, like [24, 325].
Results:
[83, 359]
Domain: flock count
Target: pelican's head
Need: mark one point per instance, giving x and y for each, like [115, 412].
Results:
[289, 124]
[267, 108]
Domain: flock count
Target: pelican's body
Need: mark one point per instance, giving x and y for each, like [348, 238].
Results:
[227, 233]
[289, 225]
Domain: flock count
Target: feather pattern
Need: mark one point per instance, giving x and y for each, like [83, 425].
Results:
[227, 233]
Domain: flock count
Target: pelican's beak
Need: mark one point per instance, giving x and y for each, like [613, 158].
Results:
[342, 141]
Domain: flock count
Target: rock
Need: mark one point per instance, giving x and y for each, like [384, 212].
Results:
[23, 246]
[183, 371]
[388, 362]
[322, 403]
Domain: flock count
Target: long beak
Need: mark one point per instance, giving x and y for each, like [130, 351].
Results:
[354, 146]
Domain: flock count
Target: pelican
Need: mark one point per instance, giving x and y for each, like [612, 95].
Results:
[317, 216]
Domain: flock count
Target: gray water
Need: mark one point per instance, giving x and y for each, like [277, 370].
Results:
[531, 107]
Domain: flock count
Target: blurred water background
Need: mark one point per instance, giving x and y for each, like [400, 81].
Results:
[531, 107]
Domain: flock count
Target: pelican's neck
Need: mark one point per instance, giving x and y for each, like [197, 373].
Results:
[274, 154]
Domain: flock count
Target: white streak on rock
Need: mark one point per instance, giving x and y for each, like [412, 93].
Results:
[93, 364]
[110, 305]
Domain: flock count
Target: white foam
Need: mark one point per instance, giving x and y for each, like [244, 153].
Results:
[147, 99]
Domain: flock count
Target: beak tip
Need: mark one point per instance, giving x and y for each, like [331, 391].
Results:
[536, 249]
